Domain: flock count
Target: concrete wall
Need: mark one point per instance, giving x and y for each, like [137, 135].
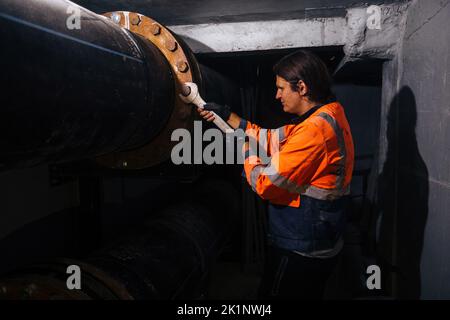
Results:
[414, 177]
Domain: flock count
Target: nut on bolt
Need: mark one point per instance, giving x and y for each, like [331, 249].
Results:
[171, 45]
[182, 66]
[135, 20]
[155, 29]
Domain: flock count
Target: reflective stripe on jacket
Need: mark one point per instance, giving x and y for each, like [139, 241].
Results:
[313, 158]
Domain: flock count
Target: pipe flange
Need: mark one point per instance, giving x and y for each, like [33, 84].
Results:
[183, 115]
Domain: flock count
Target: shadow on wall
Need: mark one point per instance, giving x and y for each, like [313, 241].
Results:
[403, 201]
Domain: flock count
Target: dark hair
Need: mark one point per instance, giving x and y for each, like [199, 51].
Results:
[306, 66]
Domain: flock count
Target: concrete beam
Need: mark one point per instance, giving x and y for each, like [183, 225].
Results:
[354, 32]
[263, 35]
[368, 39]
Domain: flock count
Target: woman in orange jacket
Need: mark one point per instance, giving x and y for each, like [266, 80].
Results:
[306, 181]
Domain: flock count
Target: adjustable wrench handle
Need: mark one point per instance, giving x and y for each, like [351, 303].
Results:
[190, 94]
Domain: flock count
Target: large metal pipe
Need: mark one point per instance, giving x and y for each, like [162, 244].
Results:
[68, 93]
[168, 257]
[108, 86]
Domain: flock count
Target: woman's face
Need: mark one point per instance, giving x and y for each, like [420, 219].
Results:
[291, 100]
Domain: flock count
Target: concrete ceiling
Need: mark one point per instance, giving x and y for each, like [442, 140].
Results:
[175, 12]
[221, 27]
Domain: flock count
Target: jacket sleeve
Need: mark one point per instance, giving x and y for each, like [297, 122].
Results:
[267, 140]
[291, 167]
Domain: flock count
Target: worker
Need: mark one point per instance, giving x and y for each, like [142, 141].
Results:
[306, 182]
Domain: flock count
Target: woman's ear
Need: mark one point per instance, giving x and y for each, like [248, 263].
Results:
[302, 88]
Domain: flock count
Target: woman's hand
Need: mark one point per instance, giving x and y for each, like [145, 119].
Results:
[205, 114]
[222, 111]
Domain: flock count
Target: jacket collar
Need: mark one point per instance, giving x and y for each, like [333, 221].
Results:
[307, 114]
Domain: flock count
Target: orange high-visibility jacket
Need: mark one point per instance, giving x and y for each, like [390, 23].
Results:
[314, 157]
